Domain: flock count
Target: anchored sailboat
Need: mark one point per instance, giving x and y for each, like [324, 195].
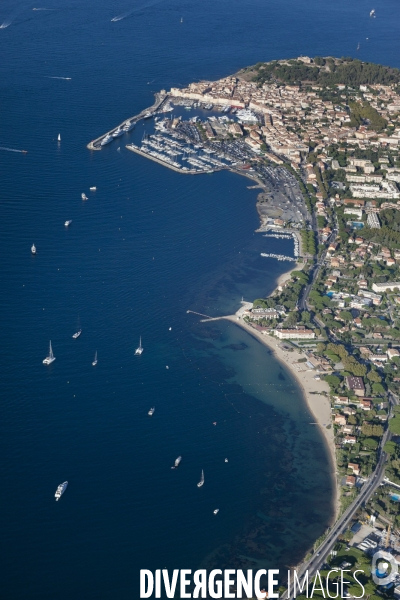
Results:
[201, 482]
[59, 137]
[94, 363]
[50, 358]
[140, 349]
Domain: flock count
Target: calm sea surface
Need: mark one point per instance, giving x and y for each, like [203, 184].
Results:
[146, 247]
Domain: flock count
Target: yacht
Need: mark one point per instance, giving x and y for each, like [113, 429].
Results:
[151, 411]
[84, 197]
[94, 363]
[147, 115]
[118, 132]
[140, 349]
[216, 511]
[106, 140]
[77, 334]
[67, 223]
[372, 13]
[201, 482]
[177, 462]
[60, 490]
[226, 460]
[50, 358]
[128, 126]
[33, 249]
[93, 188]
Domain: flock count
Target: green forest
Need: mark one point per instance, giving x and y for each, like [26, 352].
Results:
[346, 71]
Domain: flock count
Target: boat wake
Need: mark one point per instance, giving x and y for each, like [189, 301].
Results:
[11, 18]
[13, 150]
[134, 10]
[53, 77]
[43, 9]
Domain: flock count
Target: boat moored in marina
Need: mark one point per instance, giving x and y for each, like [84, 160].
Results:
[68, 223]
[151, 411]
[33, 249]
[60, 490]
[177, 462]
[201, 482]
[106, 139]
[128, 126]
[118, 132]
[50, 358]
[140, 348]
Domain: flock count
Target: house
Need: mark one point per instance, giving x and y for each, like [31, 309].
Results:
[350, 481]
[354, 467]
[348, 429]
[340, 420]
[392, 352]
[349, 411]
[340, 399]
[356, 385]
[350, 439]
[366, 404]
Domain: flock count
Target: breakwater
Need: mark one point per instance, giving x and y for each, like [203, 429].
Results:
[160, 98]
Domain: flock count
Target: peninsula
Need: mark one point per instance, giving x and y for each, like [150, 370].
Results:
[320, 138]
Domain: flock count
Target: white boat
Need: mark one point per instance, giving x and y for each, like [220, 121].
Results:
[33, 249]
[128, 126]
[372, 13]
[140, 349]
[106, 140]
[216, 511]
[50, 358]
[84, 197]
[177, 462]
[59, 138]
[77, 334]
[93, 188]
[201, 482]
[226, 460]
[67, 223]
[60, 490]
[147, 115]
[118, 132]
[94, 363]
[151, 411]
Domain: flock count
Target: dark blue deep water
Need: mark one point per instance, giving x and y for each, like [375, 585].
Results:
[147, 246]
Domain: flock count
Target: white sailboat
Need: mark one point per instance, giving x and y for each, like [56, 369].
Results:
[94, 363]
[59, 137]
[140, 349]
[50, 358]
[201, 482]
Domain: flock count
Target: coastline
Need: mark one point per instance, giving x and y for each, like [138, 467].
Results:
[319, 405]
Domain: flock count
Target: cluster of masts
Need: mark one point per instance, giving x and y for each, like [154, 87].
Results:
[50, 358]
[278, 257]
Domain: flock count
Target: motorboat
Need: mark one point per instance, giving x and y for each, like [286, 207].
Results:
[151, 411]
[94, 363]
[93, 188]
[216, 511]
[118, 132]
[201, 482]
[84, 197]
[67, 223]
[60, 490]
[33, 249]
[106, 140]
[77, 334]
[177, 462]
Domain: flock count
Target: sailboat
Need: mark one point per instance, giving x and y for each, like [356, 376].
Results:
[201, 482]
[94, 363]
[140, 349]
[372, 13]
[50, 358]
[59, 137]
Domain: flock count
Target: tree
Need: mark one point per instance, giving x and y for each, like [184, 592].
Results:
[394, 425]
[372, 430]
[378, 389]
[370, 443]
[390, 448]
[291, 319]
[305, 316]
[374, 376]
[346, 315]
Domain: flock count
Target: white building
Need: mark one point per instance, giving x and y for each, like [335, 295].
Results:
[290, 334]
[386, 287]
[373, 221]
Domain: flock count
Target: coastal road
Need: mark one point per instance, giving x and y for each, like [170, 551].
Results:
[319, 558]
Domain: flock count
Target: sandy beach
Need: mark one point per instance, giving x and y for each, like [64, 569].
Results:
[318, 404]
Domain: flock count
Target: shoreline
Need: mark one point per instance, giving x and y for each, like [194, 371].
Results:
[318, 404]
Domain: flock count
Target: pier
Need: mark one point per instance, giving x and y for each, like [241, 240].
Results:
[160, 98]
[133, 148]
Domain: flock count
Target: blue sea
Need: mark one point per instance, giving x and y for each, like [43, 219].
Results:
[147, 246]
